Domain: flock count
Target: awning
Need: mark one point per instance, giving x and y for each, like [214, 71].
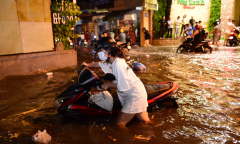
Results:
[116, 15]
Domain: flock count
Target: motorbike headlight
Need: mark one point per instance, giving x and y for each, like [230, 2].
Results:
[58, 103]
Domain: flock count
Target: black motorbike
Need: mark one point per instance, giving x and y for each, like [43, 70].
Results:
[75, 100]
[233, 39]
[108, 41]
[203, 47]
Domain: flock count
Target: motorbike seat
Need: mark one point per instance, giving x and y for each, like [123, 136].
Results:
[156, 89]
[152, 91]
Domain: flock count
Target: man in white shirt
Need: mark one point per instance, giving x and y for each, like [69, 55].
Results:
[176, 27]
[230, 27]
[170, 27]
[184, 22]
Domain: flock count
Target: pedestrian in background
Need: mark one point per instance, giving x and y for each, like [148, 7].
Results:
[191, 21]
[111, 34]
[162, 26]
[87, 36]
[147, 37]
[184, 22]
[216, 33]
[200, 23]
[176, 27]
[132, 36]
[170, 27]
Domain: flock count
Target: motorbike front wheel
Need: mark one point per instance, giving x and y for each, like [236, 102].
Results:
[207, 49]
[229, 42]
[181, 49]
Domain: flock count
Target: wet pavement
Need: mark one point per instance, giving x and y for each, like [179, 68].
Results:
[209, 100]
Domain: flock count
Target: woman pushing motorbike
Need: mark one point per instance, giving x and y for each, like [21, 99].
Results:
[197, 37]
[131, 91]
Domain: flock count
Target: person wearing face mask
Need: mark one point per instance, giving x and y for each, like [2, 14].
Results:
[131, 91]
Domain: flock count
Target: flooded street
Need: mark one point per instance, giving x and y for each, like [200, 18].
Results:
[209, 100]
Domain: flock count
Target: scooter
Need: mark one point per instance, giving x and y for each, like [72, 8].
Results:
[74, 101]
[234, 38]
[186, 47]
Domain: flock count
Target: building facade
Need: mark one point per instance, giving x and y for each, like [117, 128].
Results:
[26, 26]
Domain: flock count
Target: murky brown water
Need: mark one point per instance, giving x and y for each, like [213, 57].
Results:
[209, 102]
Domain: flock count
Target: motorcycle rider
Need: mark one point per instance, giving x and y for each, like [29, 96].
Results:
[197, 38]
[230, 27]
[122, 37]
[233, 22]
[188, 29]
[131, 91]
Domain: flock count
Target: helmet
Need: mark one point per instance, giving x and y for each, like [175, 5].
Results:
[121, 30]
[138, 67]
[198, 27]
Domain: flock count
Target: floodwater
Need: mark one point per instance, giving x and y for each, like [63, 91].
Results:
[209, 100]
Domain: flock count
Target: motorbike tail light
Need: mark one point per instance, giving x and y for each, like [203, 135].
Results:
[84, 40]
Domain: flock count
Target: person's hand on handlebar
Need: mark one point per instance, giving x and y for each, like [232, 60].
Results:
[105, 86]
[84, 64]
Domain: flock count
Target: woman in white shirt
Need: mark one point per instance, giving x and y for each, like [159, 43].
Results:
[131, 91]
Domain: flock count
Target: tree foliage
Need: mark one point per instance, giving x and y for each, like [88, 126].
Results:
[162, 5]
[62, 31]
[215, 12]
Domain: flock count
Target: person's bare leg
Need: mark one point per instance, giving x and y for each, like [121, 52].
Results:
[147, 43]
[123, 119]
[217, 44]
[143, 116]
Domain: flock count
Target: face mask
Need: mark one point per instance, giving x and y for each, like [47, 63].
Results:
[101, 56]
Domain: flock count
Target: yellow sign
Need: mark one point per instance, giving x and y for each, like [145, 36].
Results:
[151, 5]
[151, 1]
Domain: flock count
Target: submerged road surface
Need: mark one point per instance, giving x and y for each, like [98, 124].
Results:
[209, 100]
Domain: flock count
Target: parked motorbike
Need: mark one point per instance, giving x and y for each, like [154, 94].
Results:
[186, 47]
[74, 101]
[234, 38]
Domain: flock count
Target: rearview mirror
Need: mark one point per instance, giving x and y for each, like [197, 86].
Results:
[109, 77]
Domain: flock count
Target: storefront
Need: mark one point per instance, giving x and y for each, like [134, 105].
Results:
[199, 9]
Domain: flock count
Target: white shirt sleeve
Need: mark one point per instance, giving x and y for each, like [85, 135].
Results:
[106, 67]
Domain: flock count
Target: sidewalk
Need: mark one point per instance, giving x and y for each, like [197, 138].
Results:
[173, 42]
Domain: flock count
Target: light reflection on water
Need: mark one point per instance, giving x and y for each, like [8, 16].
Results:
[209, 102]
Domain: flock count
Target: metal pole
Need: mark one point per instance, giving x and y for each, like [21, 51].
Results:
[74, 43]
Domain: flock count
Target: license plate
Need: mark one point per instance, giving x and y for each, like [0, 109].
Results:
[231, 37]
[129, 47]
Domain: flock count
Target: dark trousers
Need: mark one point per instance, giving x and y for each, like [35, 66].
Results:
[169, 30]
[162, 31]
[182, 29]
